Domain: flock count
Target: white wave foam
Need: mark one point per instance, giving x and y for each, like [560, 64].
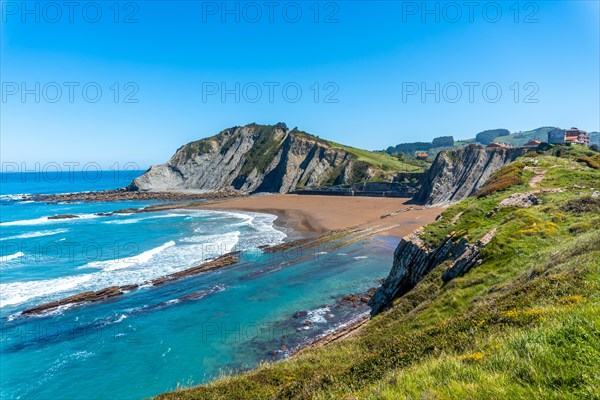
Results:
[160, 261]
[122, 221]
[20, 292]
[122, 317]
[14, 196]
[318, 316]
[154, 263]
[359, 257]
[35, 234]
[256, 229]
[135, 220]
[35, 221]
[111, 265]
[229, 238]
[45, 220]
[12, 256]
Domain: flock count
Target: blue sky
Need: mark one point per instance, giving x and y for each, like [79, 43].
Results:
[369, 60]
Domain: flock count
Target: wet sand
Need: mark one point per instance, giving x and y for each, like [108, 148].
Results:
[313, 215]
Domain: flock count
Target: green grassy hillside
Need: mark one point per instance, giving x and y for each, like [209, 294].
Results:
[524, 324]
[382, 160]
[520, 138]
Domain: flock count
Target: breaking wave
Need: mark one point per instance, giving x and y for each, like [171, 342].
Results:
[35, 234]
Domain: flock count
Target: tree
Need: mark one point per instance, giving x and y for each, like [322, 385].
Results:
[443, 141]
[487, 137]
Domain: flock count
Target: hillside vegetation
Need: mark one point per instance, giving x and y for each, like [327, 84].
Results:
[520, 138]
[268, 158]
[382, 160]
[523, 324]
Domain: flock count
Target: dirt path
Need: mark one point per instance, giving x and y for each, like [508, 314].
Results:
[537, 178]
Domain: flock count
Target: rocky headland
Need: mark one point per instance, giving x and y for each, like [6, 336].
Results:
[257, 158]
[457, 174]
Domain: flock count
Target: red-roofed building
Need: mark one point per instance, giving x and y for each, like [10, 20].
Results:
[577, 136]
[573, 135]
[422, 156]
[533, 143]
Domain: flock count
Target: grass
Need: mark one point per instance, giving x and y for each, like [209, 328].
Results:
[524, 324]
[511, 175]
[556, 359]
[381, 160]
[520, 138]
[263, 151]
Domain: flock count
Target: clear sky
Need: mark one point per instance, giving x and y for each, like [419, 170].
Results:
[172, 72]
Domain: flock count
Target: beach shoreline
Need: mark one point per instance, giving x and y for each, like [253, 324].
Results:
[314, 215]
[300, 215]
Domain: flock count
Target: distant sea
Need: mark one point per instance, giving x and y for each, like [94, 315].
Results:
[153, 339]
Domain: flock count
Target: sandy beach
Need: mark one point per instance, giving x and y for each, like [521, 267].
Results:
[320, 214]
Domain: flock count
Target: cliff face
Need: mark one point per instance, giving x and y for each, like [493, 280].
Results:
[251, 158]
[457, 174]
[413, 260]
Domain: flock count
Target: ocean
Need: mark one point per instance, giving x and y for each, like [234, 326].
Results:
[157, 338]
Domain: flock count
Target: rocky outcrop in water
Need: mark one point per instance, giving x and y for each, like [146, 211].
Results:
[125, 195]
[254, 158]
[113, 291]
[79, 298]
[413, 260]
[64, 216]
[457, 174]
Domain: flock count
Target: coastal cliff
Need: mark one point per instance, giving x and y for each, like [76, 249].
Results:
[413, 260]
[457, 174]
[496, 274]
[255, 158]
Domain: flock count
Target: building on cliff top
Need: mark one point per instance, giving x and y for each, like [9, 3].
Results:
[500, 145]
[532, 143]
[573, 135]
[422, 156]
[577, 136]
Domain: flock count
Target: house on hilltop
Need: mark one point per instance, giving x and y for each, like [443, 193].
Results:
[422, 156]
[573, 135]
[532, 143]
[556, 136]
[577, 136]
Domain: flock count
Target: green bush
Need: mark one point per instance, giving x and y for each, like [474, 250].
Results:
[503, 179]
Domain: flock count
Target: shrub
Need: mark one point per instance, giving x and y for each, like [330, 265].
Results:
[583, 205]
[503, 179]
[592, 162]
[580, 227]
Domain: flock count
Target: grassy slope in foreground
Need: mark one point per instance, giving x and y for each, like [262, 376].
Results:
[524, 324]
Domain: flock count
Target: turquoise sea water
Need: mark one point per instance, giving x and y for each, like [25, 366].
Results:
[150, 340]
